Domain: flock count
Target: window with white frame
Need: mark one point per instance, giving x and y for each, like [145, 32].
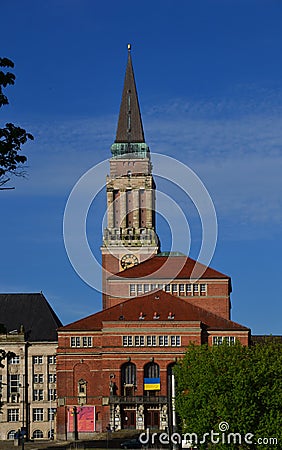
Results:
[167, 288]
[38, 378]
[75, 341]
[14, 360]
[87, 341]
[52, 378]
[51, 414]
[219, 340]
[11, 435]
[195, 289]
[203, 289]
[52, 394]
[37, 415]
[132, 289]
[174, 288]
[189, 289]
[182, 288]
[127, 341]
[13, 384]
[13, 415]
[37, 434]
[146, 288]
[175, 341]
[139, 289]
[38, 395]
[52, 359]
[37, 359]
[151, 341]
[153, 287]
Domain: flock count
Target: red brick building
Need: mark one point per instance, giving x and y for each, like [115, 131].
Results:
[115, 367]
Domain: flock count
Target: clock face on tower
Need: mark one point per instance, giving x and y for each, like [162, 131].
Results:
[128, 260]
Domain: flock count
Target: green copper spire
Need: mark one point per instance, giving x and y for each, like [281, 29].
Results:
[130, 135]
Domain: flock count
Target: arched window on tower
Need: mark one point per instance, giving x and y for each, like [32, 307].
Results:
[128, 379]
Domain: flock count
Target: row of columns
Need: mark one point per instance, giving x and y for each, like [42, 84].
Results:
[118, 208]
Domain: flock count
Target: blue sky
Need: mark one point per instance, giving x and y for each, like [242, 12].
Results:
[209, 81]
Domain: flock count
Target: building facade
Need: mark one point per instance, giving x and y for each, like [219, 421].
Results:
[28, 383]
[115, 367]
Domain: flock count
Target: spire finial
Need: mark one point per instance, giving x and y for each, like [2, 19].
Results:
[129, 47]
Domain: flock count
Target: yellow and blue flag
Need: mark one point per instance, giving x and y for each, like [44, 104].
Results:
[152, 384]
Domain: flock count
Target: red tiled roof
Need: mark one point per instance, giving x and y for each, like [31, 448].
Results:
[169, 267]
[160, 302]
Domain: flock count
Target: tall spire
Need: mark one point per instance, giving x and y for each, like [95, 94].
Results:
[130, 128]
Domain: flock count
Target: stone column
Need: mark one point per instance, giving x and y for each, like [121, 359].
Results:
[149, 205]
[122, 209]
[135, 195]
[110, 209]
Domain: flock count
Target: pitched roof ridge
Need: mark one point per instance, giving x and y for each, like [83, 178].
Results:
[149, 261]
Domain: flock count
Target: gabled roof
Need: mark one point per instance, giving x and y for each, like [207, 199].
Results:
[130, 128]
[169, 267]
[156, 302]
[33, 312]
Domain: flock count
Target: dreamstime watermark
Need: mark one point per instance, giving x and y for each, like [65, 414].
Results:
[85, 193]
[191, 440]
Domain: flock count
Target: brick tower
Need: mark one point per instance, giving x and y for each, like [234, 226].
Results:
[130, 236]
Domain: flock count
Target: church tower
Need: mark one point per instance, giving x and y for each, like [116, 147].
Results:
[130, 236]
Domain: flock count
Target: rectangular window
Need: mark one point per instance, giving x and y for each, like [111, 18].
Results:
[166, 341]
[14, 360]
[51, 414]
[52, 394]
[38, 395]
[52, 378]
[13, 415]
[124, 341]
[38, 378]
[203, 289]
[217, 340]
[167, 288]
[137, 341]
[188, 289]
[160, 286]
[37, 359]
[154, 340]
[149, 340]
[37, 414]
[132, 290]
[182, 288]
[175, 341]
[161, 341]
[87, 341]
[52, 359]
[146, 288]
[153, 287]
[174, 288]
[142, 341]
[13, 384]
[75, 341]
[196, 288]
[232, 340]
[139, 289]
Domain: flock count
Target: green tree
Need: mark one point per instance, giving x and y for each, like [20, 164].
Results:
[11, 137]
[237, 385]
